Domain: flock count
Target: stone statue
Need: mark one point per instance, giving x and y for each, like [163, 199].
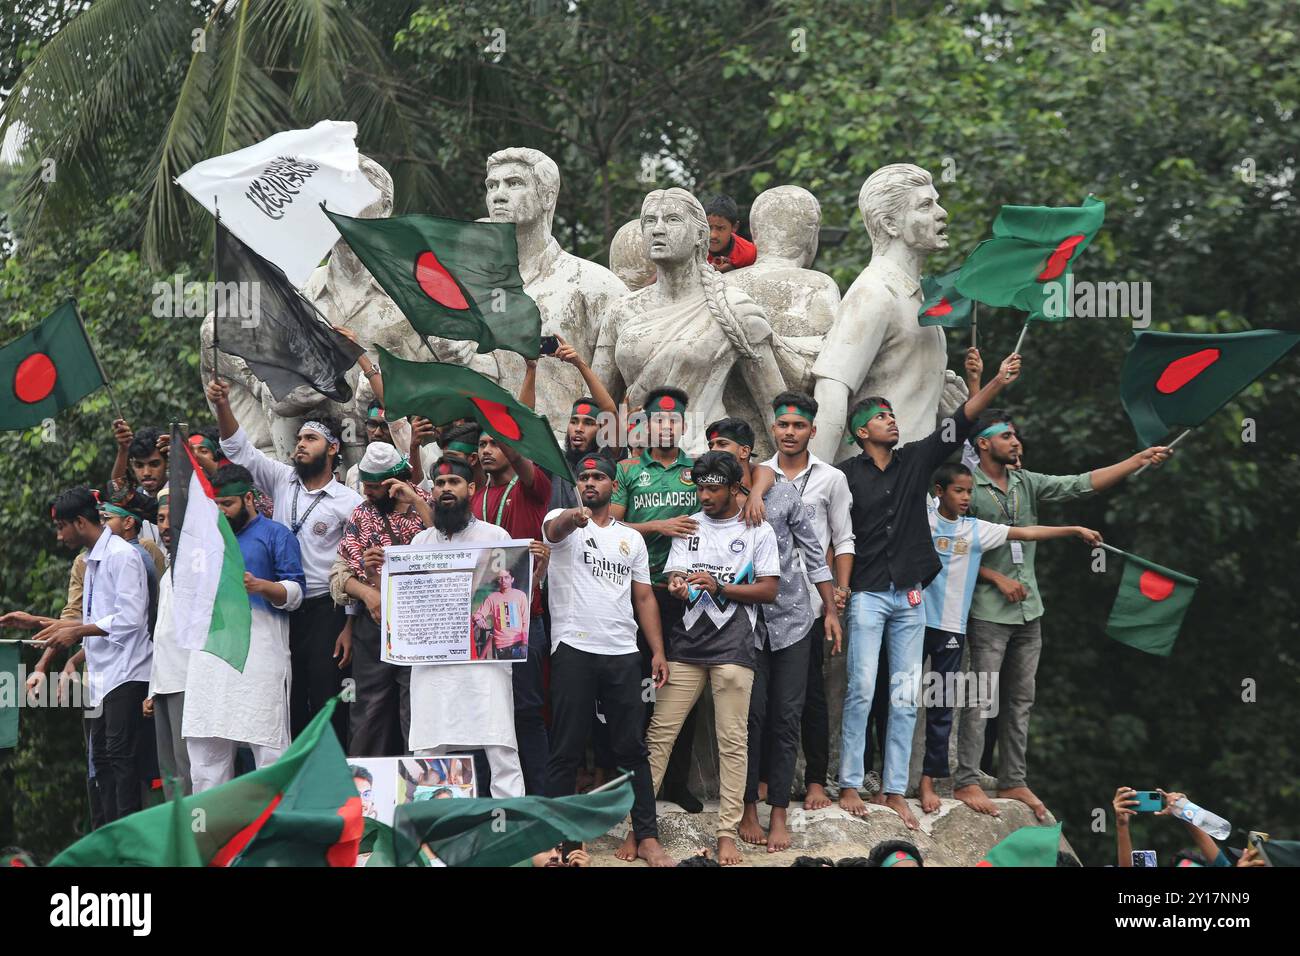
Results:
[688, 328]
[627, 257]
[876, 345]
[799, 302]
[572, 294]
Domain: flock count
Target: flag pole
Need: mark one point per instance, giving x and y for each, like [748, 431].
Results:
[98, 364]
[1111, 548]
[21, 640]
[1185, 433]
[611, 784]
[1020, 341]
[974, 320]
[216, 238]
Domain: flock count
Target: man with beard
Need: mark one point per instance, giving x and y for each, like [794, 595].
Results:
[315, 507]
[114, 632]
[225, 707]
[171, 662]
[599, 575]
[584, 425]
[515, 499]
[394, 512]
[894, 560]
[460, 707]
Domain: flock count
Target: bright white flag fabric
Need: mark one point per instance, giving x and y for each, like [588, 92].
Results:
[197, 572]
[269, 194]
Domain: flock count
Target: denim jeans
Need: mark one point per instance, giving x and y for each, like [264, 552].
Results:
[876, 616]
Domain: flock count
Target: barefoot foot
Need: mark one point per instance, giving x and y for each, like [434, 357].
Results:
[850, 801]
[627, 849]
[976, 799]
[779, 837]
[930, 801]
[1026, 796]
[751, 831]
[896, 803]
[652, 851]
[728, 853]
[817, 798]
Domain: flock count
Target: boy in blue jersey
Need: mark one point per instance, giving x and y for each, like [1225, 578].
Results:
[960, 540]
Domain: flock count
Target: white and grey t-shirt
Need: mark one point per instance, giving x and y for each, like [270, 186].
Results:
[590, 580]
[716, 630]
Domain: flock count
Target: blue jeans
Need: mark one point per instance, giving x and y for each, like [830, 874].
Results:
[876, 616]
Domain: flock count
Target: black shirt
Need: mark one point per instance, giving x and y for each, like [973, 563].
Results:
[891, 530]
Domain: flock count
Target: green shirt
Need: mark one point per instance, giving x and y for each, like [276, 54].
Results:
[650, 492]
[1018, 507]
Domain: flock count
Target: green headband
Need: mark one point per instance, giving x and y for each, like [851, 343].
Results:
[464, 447]
[861, 418]
[234, 489]
[200, 441]
[393, 472]
[898, 857]
[106, 509]
[996, 429]
[793, 410]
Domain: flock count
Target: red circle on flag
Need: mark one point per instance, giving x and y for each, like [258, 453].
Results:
[1059, 258]
[437, 283]
[983, 863]
[943, 307]
[35, 378]
[1155, 586]
[1181, 371]
[498, 418]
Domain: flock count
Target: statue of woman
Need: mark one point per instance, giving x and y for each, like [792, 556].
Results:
[688, 329]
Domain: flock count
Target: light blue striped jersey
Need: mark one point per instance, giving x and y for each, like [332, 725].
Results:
[959, 545]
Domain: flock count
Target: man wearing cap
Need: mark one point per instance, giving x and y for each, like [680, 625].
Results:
[394, 511]
[654, 495]
[1004, 631]
[894, 559]
[315, 507]
[166, 700]
[721, 573]
[600, 573]
[828, 505]
[460, 707]
[781, 675]
[225, 707]
[113, 630]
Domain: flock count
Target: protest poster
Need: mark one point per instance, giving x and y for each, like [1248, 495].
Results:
[456, 603]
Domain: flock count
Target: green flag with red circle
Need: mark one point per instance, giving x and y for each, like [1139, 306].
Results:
[47, 370]
[942, 304]
[1150, 606]
[1179, 379]
[453, 279]
[443, 392]
[1028, 262]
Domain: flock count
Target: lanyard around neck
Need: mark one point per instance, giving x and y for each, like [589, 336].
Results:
[501, 505]
[294, 524]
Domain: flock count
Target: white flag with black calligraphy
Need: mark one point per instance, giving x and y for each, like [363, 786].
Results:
[269, 194]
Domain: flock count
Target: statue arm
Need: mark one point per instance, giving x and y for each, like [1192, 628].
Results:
[603, 365]
[851, 348]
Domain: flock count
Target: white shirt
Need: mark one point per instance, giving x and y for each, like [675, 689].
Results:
[170, 661]
[462, 705]
[115, 598]
[319, 533]
[590, 578]
[828, 504]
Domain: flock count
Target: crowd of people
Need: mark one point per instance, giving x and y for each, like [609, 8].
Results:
[656, 575]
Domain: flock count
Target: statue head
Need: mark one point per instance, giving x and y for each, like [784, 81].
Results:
[785, 221]
[522, 186]
[379, 177]
[627, 257]
[674, 227]
[899, 203]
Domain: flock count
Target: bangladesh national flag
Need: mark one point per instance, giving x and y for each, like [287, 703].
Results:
[1179, 379]
[210, 608]
[10, 687]
[506, 832]
[443, 392]
[50, 368]
[1150, 606]
[302, 810]
[943, 304]
[1027, 264]
[454, 279]
[1028, 846]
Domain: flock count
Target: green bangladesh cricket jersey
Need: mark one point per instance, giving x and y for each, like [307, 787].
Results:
[651, 492]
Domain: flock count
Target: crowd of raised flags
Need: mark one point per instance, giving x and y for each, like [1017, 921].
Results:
[247, 586]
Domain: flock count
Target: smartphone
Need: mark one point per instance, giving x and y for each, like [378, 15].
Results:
[1144, 858]
[1149, 801]
[550, 344]
[567, 847]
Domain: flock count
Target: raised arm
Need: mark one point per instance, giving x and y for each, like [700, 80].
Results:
[1111, 475]
[604, 401]
[235, 443]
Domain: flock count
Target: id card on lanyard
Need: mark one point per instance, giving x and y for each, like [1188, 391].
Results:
[1017, 547]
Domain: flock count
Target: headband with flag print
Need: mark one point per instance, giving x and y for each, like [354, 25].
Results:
[863, 416]
[595, 463]
[453, 466]
[583, 409]
[790, 409]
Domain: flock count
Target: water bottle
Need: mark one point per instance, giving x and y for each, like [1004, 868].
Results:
[1211, 823]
